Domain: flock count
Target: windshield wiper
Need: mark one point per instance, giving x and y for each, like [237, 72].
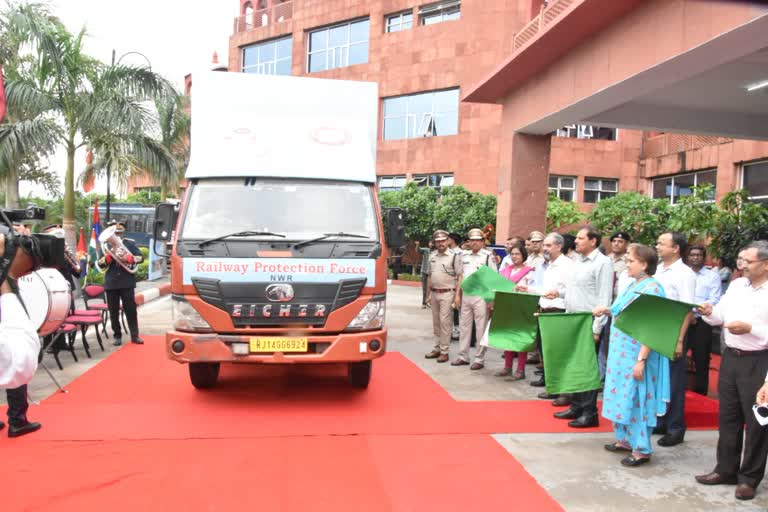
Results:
[239, 233]
[299, 245]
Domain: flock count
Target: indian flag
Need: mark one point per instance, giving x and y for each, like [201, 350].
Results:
[93, 250]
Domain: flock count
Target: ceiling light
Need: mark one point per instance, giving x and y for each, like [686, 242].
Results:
[757, 85]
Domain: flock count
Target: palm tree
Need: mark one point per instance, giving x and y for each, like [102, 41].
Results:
[28, 133]
[174, 123]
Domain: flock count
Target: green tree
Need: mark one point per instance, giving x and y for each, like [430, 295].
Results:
[637, 214]
[419, 204]
[561, 213]
[174, 123]
[737, 222]
[144, 197]
[695, 214]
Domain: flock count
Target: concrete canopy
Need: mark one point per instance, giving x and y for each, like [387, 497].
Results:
[684, 82]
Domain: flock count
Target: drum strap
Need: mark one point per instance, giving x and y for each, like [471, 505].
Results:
[15, 289]
[5, 261]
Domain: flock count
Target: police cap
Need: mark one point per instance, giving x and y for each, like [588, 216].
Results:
[476, 234]
[440, 235]
[621, 235]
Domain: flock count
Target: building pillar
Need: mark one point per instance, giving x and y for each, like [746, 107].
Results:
[523, 184]
[727, 171]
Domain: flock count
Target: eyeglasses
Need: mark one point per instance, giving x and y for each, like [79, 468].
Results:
[742, 262]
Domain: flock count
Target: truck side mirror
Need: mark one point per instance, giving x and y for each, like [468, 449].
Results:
[395, 230]
[165, 221]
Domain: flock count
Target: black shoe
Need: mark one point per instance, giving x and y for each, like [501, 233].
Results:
[659, 431]
[547, 396]
[584, 422]
[538, 372]
[669, 440]
[568, 414]
[137, 341]
[2, 425]
[538, 383]
[118, 341]
[26, 428]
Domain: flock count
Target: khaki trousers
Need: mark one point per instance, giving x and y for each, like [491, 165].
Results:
[442, 319]
[473, 310]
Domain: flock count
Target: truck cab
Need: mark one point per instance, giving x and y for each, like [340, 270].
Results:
[279, 249]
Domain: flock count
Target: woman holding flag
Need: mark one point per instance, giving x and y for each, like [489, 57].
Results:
[637, 378]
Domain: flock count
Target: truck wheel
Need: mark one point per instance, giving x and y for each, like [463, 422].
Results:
[359, 374]
[204, 375]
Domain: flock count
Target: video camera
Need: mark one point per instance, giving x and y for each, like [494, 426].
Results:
[43, 249]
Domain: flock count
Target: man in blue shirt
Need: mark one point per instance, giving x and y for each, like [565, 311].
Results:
[708, 290]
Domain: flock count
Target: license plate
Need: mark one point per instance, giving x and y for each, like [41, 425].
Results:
[278, 344]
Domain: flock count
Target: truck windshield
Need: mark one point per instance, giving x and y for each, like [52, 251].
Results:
[298, 209]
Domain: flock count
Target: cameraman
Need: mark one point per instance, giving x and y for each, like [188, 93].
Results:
[19, 343]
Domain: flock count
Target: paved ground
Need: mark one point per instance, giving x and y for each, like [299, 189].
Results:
[573, 468]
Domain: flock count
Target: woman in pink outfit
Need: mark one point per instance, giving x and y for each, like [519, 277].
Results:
[519, 274]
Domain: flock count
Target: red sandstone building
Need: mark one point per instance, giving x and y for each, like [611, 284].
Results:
[429, 56]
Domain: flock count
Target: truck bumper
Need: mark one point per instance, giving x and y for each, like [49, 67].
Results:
[186, 347]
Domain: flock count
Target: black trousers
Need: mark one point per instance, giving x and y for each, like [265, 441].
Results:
[17, 405]
[424, 278]
[127, 297]
[699, 340]
[739, 379]
[673, 422]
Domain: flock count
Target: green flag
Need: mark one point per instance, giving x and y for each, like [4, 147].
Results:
[654, 321]
[484, 281]
[570, 362]
[513, 324]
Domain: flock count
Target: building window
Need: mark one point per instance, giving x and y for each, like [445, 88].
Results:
[268, 58]
[425, 114]
[439, 12]
[437, 181]
[399, 21]
[598, 189]
[563, 187]
[390, 183]
[755, 180]
[588, 131]
[675, 187]
[338, 46]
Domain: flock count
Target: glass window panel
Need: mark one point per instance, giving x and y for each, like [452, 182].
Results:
[358, 53]
[318, 40]
[399, 181]
[393, 24]
[317, 62]
[431, 19]
[394, 106]
[446, 101]
[447, 181]
[394, 128]
[706, 177]
[756, 179]
[250, 56]
[283, 67]
[591, 185]
[611, 185]
[338, 36]
[553, 182]
[662, 188]
[447, 124]
[566, 195]
[591, 196]
[606, 195]
[683, 186]
[359, 31]
[284, 47]
[266, 52]
[454, 15]
[567, 183]
[407, 19]
[420, 103]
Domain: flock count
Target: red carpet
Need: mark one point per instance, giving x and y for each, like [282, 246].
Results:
[133, 432]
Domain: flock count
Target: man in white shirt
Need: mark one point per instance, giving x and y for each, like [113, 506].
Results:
[699, 339]
[679, 283]
[550, 282]
[743, 313]
[19, 343]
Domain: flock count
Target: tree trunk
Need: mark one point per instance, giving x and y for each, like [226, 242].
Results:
[69, 222]
[12, 188]
[163, 191]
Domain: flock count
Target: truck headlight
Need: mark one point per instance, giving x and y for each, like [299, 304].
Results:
[370, 317]
[185, 317]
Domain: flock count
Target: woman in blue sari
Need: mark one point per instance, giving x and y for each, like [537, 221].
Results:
[636, 378]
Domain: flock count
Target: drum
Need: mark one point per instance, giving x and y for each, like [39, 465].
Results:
[47, 296]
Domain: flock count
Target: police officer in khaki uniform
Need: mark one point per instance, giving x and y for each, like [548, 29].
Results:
[473, 308]
[444, 273]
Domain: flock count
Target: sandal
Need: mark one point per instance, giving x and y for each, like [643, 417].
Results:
[517, 376]
[617, 447]
[632, 461]
[506, 372]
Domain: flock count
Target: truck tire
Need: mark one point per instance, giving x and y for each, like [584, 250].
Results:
[204, 375]
[359, 374]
